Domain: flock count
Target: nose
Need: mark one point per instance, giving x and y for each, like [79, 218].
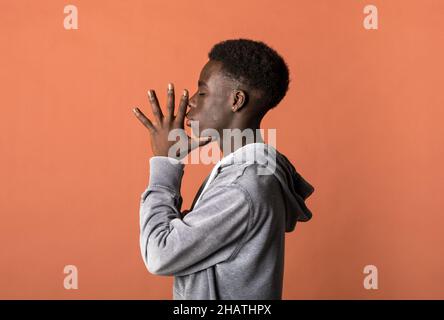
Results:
[192, 105]
[192, 101]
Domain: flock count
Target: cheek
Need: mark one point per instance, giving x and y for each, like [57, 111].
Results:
[216, 109]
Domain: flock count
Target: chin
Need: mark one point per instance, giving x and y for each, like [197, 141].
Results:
[194, 135]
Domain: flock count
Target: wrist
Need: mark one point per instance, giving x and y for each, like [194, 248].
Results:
[166, 171]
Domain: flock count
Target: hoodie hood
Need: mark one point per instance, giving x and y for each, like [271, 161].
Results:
[293, 186]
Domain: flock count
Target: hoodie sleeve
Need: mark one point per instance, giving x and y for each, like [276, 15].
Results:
[211, 233]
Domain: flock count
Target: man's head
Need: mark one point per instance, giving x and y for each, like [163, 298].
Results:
[242, 80]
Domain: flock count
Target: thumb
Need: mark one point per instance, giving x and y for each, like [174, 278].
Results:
[193, 144]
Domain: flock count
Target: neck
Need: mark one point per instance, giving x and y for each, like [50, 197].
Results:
[239, 135]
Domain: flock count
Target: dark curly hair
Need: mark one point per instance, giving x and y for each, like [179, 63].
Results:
[256, 65]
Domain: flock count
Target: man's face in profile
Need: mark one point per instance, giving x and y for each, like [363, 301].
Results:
[210, 105]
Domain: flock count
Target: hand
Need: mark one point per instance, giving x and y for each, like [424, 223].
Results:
[160, 130]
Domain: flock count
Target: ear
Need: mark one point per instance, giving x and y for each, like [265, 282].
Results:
[239, 100]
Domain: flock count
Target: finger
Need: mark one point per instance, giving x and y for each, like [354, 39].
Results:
[157, 112]
[145, 121]
[193, 144]
[182, 106]
[170, 101]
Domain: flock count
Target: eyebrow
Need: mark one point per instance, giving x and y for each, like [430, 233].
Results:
[201, 83]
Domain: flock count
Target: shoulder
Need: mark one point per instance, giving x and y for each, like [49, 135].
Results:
[256, 183]
[260, 184]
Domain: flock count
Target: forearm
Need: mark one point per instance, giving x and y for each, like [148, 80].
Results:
[211, 233]
[160, 204]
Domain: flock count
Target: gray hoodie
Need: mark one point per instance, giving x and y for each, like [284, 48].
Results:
[230, 245]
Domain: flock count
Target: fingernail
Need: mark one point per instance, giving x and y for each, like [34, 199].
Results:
[150, 93]
[185, 92]
[170, 86]
[135, 110]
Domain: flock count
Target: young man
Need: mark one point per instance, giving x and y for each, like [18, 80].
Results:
[230, 244]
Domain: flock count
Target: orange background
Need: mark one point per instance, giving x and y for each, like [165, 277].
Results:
[362, 121]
